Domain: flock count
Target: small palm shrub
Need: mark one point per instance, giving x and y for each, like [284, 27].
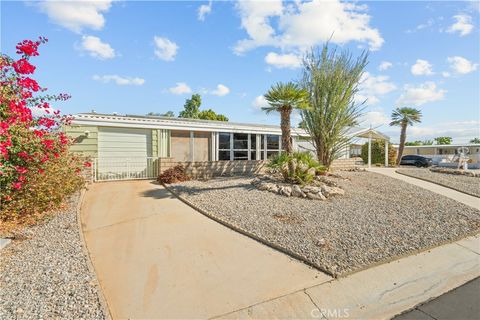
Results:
[299, 167]
[173, 175]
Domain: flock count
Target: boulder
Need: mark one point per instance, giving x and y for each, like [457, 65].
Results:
[273, 188]
[285, 191]
[332, 191]
[316, 196]
[297, 192]
[263, 185]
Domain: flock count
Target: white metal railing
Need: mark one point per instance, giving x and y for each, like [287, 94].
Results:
[111, 169]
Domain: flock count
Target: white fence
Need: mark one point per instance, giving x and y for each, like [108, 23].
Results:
[110, 169]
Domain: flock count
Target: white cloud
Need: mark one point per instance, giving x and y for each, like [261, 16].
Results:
[96, 48]
[374, 118]
[372, 87]
[446, 74]
[421, 68]
[180, 88]
[283, 60]
[385, 65]
[77, 15]
[121, 81]
[165, 49]
[463, 25]
[221, 90]
[260, 102]
[203, 10]
[304, 24]
[424, 93]
[461, 65]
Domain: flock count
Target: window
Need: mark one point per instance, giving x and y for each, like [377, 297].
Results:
[243, 146]
[224, 140]
[273, 142]
[240, 141]
[224, 146]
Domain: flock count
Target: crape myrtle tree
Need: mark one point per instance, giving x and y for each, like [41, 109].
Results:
[284, 98]
[331, 79]
[37, 171]
[404, 117]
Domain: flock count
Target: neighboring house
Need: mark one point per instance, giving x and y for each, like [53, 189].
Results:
[445, 152]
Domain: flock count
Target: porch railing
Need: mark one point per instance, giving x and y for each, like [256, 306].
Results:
[114, 168]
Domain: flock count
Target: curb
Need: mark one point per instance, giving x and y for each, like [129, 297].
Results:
[438, 183]
[88, 260]
[304, 260]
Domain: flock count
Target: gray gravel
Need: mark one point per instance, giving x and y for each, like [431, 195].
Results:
[469, 185]
[377, 219]
[44, 274]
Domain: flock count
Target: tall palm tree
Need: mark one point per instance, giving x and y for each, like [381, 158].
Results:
[403, 117]
[284, 98]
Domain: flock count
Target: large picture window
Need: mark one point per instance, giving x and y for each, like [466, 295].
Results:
[244, 146]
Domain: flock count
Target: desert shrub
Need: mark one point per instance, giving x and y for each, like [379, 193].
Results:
[378, 152]
[37, 171]
[299, 167]
[172, 175]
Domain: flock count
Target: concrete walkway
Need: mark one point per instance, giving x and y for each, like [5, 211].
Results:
[155, 257]
[447, 192]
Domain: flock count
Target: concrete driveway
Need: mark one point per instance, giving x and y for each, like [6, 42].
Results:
[155, 257]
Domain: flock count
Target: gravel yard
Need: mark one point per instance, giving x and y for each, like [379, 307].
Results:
[378, 218]
[44, 273]
[469, 185]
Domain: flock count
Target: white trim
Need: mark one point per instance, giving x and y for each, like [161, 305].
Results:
[177, 124]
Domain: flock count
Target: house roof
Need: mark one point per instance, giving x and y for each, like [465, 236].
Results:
[159, 122]
[156, 122]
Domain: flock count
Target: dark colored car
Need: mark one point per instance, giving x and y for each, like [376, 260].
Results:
[415, 160]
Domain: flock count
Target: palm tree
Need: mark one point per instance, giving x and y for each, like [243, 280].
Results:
[284, 98]
[404, 117]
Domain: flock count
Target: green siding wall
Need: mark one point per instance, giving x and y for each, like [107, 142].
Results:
[87, 146]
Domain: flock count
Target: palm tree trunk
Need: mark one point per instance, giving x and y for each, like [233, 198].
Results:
[285, 126]
[401, 146]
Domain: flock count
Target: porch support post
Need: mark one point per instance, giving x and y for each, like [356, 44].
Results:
[370, 151]
[386, 153]
[192, 146]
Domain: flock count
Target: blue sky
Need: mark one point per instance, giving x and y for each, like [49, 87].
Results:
[135, 57]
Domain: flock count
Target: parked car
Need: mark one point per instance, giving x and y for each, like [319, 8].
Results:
[415, 160]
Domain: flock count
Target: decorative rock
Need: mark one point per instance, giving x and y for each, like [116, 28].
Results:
[285, 191]
[297, 192]
[316, 196]
[273, 188]
[332, 191]
[317, 191]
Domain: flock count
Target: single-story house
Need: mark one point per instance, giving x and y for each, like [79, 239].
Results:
[132, 146]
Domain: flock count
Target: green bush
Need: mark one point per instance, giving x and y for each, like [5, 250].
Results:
[378, 152]
[299, 167]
